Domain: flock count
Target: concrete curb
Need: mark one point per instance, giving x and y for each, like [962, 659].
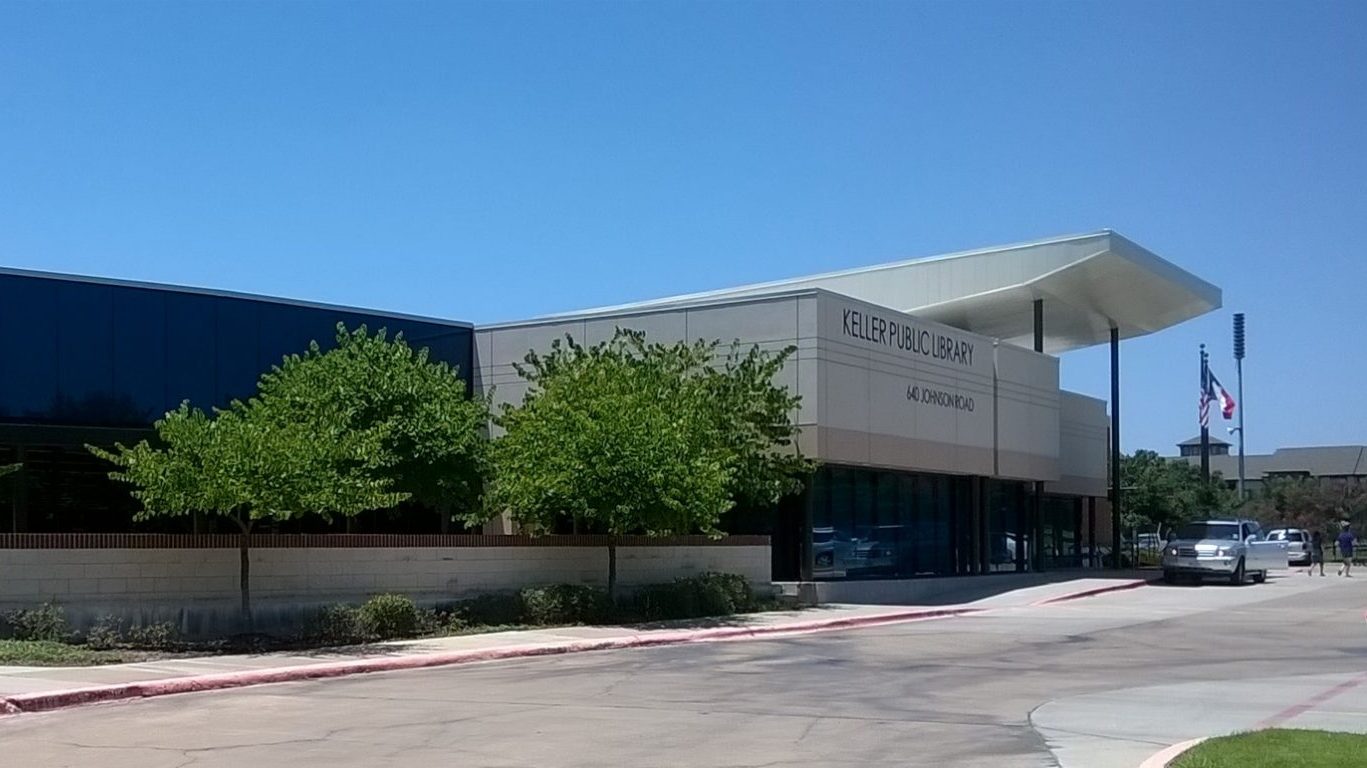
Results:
[1163, 757]
[42, 702]
[1131, 584]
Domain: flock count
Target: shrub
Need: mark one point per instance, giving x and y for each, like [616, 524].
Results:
[389, 616]
[46, 622]
[735, 587]
[492, 610]
[708, 594]
[105, 635]
[337, 625]
[157, 637]
[564, 604]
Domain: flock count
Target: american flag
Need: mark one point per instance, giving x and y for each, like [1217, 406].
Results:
[1211, 389]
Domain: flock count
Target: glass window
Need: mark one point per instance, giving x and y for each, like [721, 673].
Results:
[833, 532]
[931, 546]
[286, 330]
[238, 354]
[191, 350]
[139, 350]
[85, 356]
[1219, 531]
[1004, 510]
[28, 347]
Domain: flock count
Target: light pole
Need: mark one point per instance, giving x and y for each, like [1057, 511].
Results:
[1239, 367]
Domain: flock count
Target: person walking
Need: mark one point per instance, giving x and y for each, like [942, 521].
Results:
[1316, 553]
[1346, 542]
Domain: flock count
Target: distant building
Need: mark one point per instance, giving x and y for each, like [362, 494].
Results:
[1192, 447]
[1330, 464]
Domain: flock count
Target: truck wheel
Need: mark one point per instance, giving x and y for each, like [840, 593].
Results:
[1169, 577]
[1237, 577]
[1260, 577]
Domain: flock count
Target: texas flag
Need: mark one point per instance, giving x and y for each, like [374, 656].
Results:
[1226, 399]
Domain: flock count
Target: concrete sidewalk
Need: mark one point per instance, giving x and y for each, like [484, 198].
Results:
[40, 688]
[1120, 729]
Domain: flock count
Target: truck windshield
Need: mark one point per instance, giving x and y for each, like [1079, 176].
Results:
[1228, 531]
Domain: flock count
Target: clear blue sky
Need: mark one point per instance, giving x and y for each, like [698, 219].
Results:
[496, 161]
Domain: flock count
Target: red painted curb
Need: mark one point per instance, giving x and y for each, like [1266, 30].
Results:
[42, 702]
[1296, 710]
[1091, 592]
[1163, 757]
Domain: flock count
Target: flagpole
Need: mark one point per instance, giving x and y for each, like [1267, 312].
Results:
[1205, 423]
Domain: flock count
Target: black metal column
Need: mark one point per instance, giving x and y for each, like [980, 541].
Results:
[1115, 447]
[1091, 532]
[1036, 504]
[1205, 422]
[982, 538]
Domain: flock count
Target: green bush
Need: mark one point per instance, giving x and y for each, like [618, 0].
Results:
[337, 625]
[105, 635]
[46, 622]
[154, 637]
[492, 610]
[564, 604]
[708, 594]
[389, 616]
[735, 587]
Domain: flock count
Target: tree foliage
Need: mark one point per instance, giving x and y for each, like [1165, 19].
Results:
[429, 433]
[1310, 503]
[245, 465]
[9, 469]
[1161, 492]
[329, 434]
[633, 437]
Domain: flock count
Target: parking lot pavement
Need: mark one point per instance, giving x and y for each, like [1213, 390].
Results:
[955, 692]
[51, 681]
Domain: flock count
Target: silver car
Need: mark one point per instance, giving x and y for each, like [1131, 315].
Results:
[1297, 544]
[1228, 549]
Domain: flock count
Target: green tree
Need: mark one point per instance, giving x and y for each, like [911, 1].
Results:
[431, 432]
[1162, 493]
[246, 465]
[755, 420]
[362, 426]
[9, 469]
[1309, 502]
[632, 437]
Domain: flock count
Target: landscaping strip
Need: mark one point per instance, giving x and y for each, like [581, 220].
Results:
[1277, 748]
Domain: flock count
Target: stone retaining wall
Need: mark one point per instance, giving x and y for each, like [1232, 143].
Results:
[199, 574]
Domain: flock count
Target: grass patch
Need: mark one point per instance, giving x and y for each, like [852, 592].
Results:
[1278, 748]
[48, 653]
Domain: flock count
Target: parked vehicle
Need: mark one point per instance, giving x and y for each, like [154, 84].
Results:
[1228, 549]
[1297, 544]
[830, 553]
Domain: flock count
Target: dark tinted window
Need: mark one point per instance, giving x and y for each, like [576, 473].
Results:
[85, 355]
[1226, 531]
[139, 348]
[239, 362]
[28, 346]
[191, 350]
[94, 354]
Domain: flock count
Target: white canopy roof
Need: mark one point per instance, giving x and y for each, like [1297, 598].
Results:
[1089, 284]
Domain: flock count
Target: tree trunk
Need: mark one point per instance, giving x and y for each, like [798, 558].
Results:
[612, 569]
[244, 542]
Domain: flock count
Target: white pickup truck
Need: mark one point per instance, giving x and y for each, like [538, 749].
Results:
[1228, 549]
